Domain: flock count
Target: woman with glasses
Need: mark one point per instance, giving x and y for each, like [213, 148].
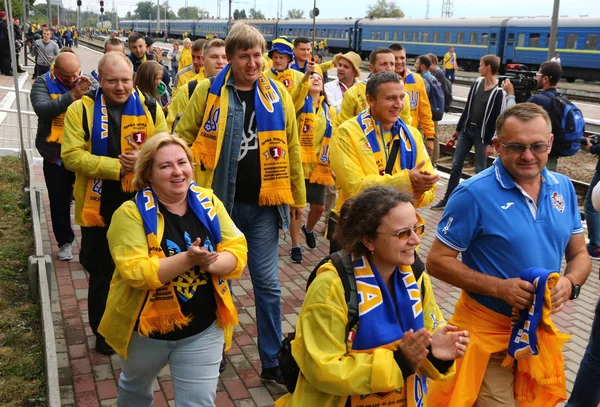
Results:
[401, 338]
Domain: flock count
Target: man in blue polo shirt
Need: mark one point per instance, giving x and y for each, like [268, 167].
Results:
[510, 217]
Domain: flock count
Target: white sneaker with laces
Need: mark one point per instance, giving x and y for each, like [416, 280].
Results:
[65, 252]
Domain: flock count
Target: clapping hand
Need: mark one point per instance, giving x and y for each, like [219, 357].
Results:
[199, 256]
[414, 347]
[448, 344]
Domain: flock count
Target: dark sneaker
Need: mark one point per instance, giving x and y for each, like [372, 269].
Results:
[296, 255]
[272, 374]
[103, 347]
[594, 253]
[311, 240]
[439, 206]
[223, 364]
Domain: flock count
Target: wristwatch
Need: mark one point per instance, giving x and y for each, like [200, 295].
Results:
[576, 288]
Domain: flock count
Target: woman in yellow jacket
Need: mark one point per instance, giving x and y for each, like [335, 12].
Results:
[315, 129]
[174, 246]
[185, 58]
[401, 339]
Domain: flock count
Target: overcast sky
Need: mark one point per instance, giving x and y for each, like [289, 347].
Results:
[357, 8]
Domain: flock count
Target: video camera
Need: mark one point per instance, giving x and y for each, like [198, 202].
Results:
[523, 80]
[594, 139]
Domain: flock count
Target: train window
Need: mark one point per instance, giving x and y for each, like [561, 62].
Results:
[591, 41]
[346, 34]
[534, 40]
[436, 36]
[425, 36]
[521, 40]
[447, 38]
[415, 36]
[404, 36]
[484, 38]
[571, 42]
[386, 35]
[330, 34]
[460, 38]
[395, 35]
[473, 38]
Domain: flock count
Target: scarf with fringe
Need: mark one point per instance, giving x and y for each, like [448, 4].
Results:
[308, 123]
[275, 187]
[285, 77]
[134, 129]
[539, 380]
[161, 311]
[56, 89]
[382, 322]
[408, 147]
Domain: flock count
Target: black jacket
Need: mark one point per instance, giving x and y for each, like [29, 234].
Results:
[47, 109]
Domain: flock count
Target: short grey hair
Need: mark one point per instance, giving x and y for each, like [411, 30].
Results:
[112, 57]
[379, 79]
[523, 112]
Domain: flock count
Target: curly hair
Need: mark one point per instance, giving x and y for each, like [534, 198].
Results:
[361, 215]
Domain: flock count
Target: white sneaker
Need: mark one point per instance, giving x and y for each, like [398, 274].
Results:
[65, 252]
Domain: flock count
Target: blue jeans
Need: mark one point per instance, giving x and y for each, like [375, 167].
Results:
[469, 137]
[450, 74]
[586, 391]
[194, 364]
[592, 217]
[260, 224]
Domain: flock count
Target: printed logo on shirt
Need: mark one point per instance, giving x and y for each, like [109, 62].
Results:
[508, 205]
[139, 137]
[558, 201]
[249, 138]
[414, 98]
[211, 123]
[447, 227]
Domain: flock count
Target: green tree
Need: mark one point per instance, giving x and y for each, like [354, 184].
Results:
[383, 9]
[295, 13]
[254, 14]
[145, 10]
[239, 14]
[189, 13]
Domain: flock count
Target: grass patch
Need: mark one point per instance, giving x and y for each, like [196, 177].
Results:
[22, 363]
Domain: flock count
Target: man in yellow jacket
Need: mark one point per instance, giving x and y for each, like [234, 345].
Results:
[214, 60]
[102, 134]
[363, 152]
[355, 98]
[420, 108]
[244, 139]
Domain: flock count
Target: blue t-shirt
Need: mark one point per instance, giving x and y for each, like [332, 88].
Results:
[491, 222]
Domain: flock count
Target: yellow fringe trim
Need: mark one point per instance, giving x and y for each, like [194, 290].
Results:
[127, 183]
[92, 219]
[275, 197]
[321, 179]
[53, 138]
[162, 323]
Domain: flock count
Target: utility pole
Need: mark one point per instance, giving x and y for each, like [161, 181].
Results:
[229, 20]
[447, 8]
[553, 30]
[49, 13]
[427, 10]
[78, 15]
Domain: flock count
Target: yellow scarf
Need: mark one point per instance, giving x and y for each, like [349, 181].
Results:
[539, 380]
[275, 187]
[308, 124]
[134, 128]
[161, 311]
[56, 89]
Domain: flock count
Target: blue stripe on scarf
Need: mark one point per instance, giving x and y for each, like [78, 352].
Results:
[525, 322]
[99, 138]
[328, 127]
[387, 321]
[55, 86]
[408, 158]
[201, 205]
[269, 108]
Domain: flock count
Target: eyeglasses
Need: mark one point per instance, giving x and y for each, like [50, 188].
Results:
[536, 148]
[405, 234]
[539, 74]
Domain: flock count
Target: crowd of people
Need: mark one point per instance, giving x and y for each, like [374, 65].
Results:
[176, 192]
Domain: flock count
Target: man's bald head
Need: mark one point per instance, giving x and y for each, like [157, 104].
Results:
[114, 58]
[66, 67]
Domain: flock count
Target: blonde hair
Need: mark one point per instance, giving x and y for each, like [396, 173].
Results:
[523, 112]
[215, 42]
[113, 57]
[145, 159]
[242, 37]
[187, 41]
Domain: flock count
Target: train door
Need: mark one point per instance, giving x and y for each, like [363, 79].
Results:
[509, 52]
[493, 43]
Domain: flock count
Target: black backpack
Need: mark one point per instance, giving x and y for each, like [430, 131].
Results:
[343, 265]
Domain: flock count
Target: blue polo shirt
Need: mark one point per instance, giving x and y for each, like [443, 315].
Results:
[500, 231]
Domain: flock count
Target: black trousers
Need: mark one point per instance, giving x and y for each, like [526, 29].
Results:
[59, 182]
[40, 70]
[5, 63]
[95, 257]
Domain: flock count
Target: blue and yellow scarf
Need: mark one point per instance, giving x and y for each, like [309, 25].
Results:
[408, 153]
[134, 129]
[285, 77]
[56, 89]
[307, 122]
[275, 187]
[161, 311]
[382, 323]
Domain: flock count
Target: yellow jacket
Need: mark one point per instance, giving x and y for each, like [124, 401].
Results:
[448, 64]
[331, 371]
[300, 90]
[185, 59]
[186, 76]
[420, 108]
[191, 121]
[355, 168]
[77, 154]
[180, 100]
[355, 101]
[321, 123]
[136, 271]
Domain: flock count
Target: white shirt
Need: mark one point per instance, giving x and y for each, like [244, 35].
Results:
[555, 59]
[333, 91]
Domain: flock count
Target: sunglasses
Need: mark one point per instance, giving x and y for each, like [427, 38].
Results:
[516, 148]
[405, 234]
